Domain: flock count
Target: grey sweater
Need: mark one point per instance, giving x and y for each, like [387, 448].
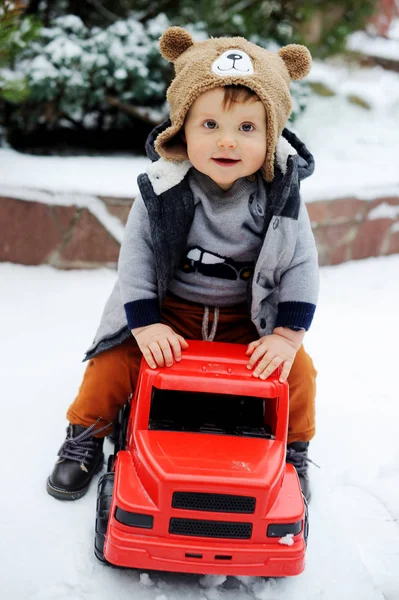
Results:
[223, 242]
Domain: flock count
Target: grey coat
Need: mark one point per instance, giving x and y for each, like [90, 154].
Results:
[284, 288]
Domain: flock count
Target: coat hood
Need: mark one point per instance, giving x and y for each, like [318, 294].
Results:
[288, 145]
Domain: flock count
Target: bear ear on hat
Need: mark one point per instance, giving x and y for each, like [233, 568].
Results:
[173, 42]
[298, 60]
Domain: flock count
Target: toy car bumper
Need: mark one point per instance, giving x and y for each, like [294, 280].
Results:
[210, 557]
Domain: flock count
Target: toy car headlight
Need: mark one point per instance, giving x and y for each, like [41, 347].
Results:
[282, 529]
[134, 519]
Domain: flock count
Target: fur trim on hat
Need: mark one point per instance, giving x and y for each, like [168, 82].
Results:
[165, 174]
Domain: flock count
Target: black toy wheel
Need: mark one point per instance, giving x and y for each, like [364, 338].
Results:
[306, 523]
[104, 499]
[111, 462]
[118, 434]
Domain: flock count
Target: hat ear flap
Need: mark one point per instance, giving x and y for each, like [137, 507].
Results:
[173, 42]
[298, 60]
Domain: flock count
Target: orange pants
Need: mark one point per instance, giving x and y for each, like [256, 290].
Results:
[111, 376]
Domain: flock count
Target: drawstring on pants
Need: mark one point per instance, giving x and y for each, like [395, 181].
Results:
[206, 336]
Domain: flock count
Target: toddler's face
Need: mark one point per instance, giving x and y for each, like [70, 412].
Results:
[225, 144]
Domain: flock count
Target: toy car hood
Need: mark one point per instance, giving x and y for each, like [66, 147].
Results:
[212, 457]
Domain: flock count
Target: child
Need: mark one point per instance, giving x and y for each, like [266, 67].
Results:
[219, 223]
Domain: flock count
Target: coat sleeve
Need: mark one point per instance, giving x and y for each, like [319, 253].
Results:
[299, 283]
[136, 269]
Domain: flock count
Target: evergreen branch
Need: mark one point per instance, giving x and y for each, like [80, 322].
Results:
[243, 5]
[129, 109]
[156, 8]
[103, 11]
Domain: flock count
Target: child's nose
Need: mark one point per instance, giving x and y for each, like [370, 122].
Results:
[227, 141]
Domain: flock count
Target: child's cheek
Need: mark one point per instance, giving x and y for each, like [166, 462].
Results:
[198, 151]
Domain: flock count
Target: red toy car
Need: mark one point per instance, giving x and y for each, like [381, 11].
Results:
[199, 482]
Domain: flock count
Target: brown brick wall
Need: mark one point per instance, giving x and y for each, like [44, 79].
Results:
[68, 237]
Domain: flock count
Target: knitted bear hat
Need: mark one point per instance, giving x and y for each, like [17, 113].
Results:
[201, 66]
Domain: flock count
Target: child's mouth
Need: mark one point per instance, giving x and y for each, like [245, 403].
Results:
[225, 162]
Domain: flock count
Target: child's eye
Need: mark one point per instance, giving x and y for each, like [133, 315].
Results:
[210, 124]
[247, 127]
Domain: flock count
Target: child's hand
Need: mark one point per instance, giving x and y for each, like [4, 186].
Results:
[159, 344]
[271, 351]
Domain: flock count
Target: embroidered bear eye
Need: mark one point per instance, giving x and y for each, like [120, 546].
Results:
[210, 124]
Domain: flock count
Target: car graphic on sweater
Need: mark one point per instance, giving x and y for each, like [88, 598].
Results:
[214, 265]
[199, 482]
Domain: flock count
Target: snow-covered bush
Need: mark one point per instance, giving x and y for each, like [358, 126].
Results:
[88, 78]
[91, 77]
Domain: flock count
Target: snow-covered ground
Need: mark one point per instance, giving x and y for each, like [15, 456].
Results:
[48, 320]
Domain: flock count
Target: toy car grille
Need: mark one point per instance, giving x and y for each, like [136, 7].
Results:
[214, 502]
[213, 529]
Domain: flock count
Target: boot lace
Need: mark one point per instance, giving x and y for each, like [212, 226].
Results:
[82, 447]
[299, 459]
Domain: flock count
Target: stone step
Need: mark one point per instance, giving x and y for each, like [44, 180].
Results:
[71, 237]
[390, 64]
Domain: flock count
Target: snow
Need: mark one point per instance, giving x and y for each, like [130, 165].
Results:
[361, 41]
[376, 86]
[287, 540]
[106, 176]
[49, 318]
[394, 30]
[384, 211]
[71, 22]
[208, 581]
[355, 148]
[378, 46]
[62, 50]
[41, 68]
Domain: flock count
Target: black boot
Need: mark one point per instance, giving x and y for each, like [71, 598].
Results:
[81, 457]
[297, 455]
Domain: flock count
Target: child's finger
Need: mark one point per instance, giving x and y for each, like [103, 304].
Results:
[265, 363]
[176, 348]
[166, 352]
[271, 367]
[285, 371]
[157, 354]
[252, 346]
[148, 357]
[262, 364]
[183, 342]
[256, 355]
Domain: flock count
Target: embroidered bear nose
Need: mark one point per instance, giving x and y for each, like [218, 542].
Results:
[234, 56]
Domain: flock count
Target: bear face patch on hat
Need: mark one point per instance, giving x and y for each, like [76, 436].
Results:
[201, 66]
[233, 62]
